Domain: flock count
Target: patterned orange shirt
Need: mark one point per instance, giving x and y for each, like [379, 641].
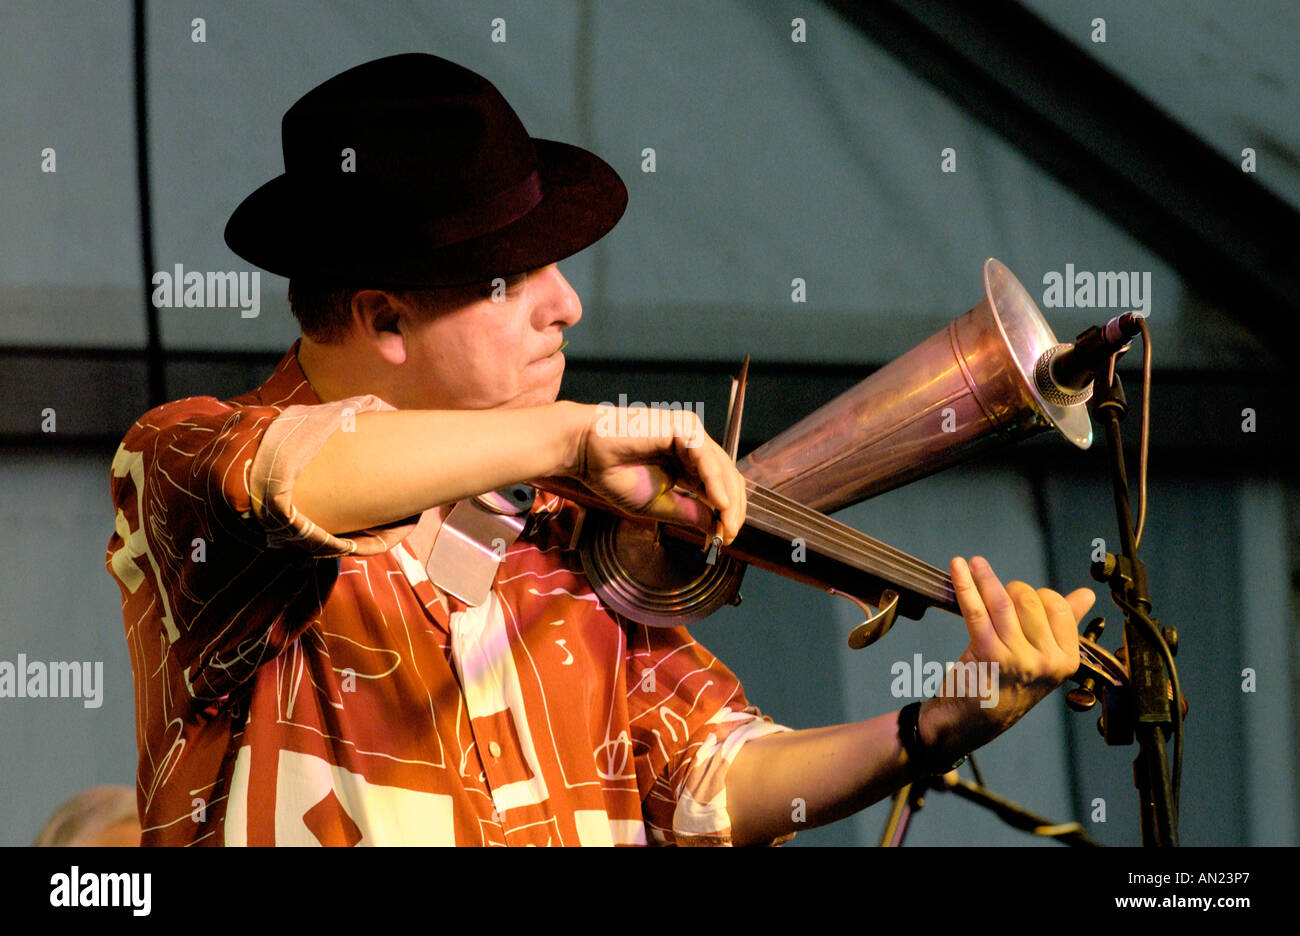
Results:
[295, 687]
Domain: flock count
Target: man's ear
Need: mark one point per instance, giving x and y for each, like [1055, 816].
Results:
[383, 320]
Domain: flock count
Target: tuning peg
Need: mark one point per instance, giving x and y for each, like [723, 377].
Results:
[1083, 697]
[1094, 628]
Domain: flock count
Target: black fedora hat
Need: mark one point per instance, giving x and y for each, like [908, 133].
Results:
[413, 171]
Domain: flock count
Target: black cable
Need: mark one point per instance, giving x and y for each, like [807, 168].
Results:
[1134, 536]
[1144, 435]
[1158, 638]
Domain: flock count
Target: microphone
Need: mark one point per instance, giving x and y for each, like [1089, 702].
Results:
[1064, 373]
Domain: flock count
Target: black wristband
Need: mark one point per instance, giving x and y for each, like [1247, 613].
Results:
[909, 736]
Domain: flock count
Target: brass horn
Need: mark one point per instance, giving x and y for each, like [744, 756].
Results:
[965, 389]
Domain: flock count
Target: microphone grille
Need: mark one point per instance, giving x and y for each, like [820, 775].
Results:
[1048, 388]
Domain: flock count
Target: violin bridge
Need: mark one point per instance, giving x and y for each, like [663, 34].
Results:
[877, 623]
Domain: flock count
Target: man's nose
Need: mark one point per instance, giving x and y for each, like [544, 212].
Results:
[559, 303]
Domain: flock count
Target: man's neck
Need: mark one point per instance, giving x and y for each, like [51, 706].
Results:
[334, 371]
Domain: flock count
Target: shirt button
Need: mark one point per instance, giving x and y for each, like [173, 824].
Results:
[494, 749]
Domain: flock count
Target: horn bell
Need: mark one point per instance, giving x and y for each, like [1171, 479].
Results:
[967, 388]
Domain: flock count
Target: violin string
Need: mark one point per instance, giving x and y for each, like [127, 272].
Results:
[936, 590]
[934, 593]
[846, 538]
[840, 538]
[841, 534]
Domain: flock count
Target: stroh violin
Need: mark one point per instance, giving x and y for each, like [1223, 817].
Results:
[968, 388]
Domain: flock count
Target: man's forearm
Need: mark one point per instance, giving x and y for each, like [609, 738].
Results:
[393, 465]
[782, 783]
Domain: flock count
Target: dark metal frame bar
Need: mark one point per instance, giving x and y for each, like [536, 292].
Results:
[156, 357]
[98, 393]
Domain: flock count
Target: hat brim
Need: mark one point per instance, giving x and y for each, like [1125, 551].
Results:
[285, 230]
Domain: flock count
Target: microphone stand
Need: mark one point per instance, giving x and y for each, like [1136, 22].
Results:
[1143, 707]
[908, 801]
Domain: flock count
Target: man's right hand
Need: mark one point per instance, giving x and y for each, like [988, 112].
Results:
[642, 460]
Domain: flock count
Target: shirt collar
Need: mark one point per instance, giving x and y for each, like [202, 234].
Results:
[287, 386]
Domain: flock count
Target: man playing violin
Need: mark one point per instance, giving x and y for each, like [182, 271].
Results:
[301, 675]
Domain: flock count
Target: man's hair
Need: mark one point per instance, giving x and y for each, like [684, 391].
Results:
[322, 309]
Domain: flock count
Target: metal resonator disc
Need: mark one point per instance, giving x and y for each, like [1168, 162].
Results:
[671, 585]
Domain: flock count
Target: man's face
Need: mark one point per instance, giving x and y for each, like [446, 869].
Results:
[481, 348]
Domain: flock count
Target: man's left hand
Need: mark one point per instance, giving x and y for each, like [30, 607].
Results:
[1032, 635]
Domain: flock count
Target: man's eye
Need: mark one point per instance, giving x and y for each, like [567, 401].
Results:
[503, 285]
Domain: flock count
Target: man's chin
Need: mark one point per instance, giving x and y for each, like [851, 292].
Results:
[547, 389]
[542, 396]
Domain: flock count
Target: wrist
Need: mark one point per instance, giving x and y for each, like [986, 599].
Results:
[927, 735]
[576, 420]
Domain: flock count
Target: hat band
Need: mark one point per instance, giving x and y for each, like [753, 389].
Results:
[486, 216]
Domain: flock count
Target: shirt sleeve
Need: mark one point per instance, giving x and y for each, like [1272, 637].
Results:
[689, 719]
[291, 441]
[208, 544]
